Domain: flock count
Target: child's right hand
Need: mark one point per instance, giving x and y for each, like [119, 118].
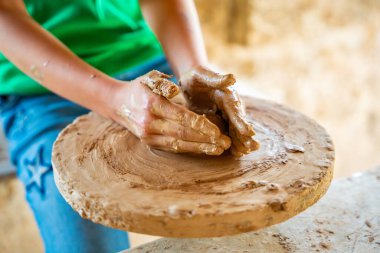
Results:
[161, 123]
[210, 92]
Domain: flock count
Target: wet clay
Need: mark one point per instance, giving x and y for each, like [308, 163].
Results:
[107, 175]
[158, 82]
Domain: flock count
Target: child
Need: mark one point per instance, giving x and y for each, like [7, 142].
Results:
[95, 54]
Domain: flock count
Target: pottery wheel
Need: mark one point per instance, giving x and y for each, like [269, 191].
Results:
[109, 177]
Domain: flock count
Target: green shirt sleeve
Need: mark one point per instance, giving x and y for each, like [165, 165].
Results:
[111, 35]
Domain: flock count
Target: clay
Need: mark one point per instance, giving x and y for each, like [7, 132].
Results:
[160, 85]
[168, 126]
[107, 175]
[330, 226]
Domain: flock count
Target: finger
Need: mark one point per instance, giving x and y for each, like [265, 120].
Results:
[157, 74]
[218, 121]
[237, 147]
[158, 83]
[221, 124]
[246, 141]
[172, 144]
[235, 152]
[228, 102]
[242, 144]
[224, 141]
[173, 129]
[167, 110]
[212, 79]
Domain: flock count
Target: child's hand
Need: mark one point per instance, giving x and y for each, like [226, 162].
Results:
[162, 124]
[207, 92]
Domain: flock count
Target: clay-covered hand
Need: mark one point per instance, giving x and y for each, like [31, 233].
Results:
[142, 107]
[210, 93]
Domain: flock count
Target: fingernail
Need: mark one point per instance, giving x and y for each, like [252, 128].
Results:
[224, 141]
[210, 130]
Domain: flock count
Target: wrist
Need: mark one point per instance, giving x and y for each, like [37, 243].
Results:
[187, 65]
[107, 101]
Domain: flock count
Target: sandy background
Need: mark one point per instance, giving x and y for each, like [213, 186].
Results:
[319, 57]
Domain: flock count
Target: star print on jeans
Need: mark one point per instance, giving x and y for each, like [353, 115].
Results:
[37, 168]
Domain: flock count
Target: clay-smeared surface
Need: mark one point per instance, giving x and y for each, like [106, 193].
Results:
[336, 224]
[108, 176]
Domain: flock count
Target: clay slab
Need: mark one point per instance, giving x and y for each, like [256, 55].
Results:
[109, 177]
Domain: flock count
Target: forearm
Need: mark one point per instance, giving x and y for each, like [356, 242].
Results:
[41, 56]
[175, 23]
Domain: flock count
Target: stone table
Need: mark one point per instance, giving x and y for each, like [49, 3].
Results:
[346, 219]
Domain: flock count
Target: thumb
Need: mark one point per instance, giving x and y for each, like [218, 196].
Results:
[160, 85]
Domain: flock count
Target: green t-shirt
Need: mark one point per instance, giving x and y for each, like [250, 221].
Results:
[111, 35]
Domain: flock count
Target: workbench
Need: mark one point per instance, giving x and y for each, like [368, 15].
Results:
[346, 219]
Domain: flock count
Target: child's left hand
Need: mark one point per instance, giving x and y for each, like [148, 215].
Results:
[208, 92]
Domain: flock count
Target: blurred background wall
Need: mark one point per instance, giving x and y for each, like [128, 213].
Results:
[320, 57]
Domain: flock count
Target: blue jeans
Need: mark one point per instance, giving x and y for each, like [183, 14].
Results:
[31, 124]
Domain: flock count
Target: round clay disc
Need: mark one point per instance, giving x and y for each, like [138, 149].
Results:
[108, 176]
